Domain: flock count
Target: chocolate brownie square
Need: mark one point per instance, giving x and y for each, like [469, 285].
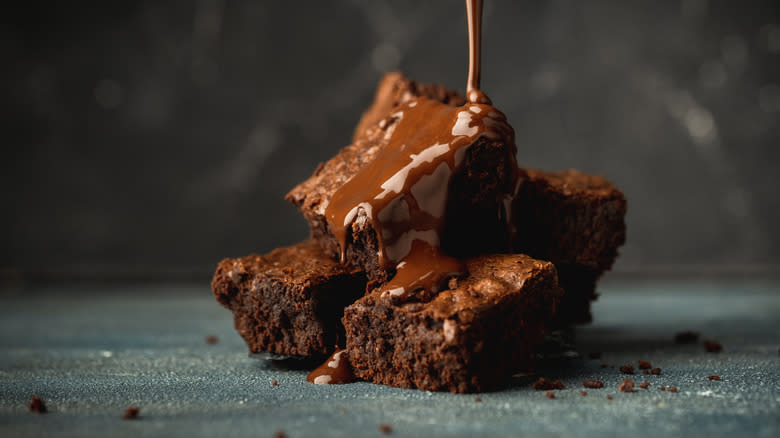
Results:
[289, 301]
[570, 218]
[471, 337]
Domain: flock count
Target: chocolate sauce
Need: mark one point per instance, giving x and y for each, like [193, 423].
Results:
[474, 14]
[403, 192]
[335, 371]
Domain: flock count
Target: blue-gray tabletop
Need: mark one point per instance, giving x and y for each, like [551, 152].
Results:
[90, 352]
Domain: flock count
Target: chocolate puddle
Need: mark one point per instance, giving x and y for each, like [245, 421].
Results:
[335, 371]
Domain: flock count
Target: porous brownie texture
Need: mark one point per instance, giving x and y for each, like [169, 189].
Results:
[289, 301]
[570, 218]
[471, 337]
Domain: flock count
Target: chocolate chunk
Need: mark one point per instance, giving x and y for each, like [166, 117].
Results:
[627, 369]
[663, 388]
[549, 394]
[593, 384]
[477, 399]
[655, 371]
[609, 397]
[672, 389]
[131, 413]
[289, 301]
[626, 386]
[713, 377]
[583, 393]
[645, 371]
[467, 339]
[385, 428]
[544, 384]
[37, 405]
[713, 346]
[686, 337]
[644, 365]
[644, 385]
[212, 339]
[274, 383]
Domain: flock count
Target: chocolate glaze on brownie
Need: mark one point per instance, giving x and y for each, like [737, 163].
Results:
[477, 186]
[470, 337]
[289, 301]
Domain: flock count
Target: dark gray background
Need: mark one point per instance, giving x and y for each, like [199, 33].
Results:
[154, 138]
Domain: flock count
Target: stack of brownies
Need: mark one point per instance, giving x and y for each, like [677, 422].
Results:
[481, 328]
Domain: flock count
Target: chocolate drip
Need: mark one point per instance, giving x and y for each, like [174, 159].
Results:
[474, 14]
[335, 371]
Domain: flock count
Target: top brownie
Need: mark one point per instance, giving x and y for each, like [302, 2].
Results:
[476, 191]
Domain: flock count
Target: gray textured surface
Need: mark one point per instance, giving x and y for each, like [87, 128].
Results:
[129, 128]
[91, 352]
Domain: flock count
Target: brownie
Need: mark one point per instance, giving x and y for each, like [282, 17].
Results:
[289, 301]
[476, 191]
[470, 337]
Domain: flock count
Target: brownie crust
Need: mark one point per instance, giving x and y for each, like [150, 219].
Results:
[471, 337]
[288, 301]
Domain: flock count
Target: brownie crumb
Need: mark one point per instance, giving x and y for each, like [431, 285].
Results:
[713, 346]
[663, 388]
[386, 428]
[594, 355]
[644, 365]
[212, 339]
[713, 377]
[627, 369]
[131, 413]
[280, 434]
[644, 385]
[549, 394]
[686, 337]
[583, 393]
[626, 386]
[37, 405]
[609, 397]
[655, 371]
[274, 383]
[543, 384]
[604, 365]
[645, 371]
[477, 399]
[672, 389]
[593, 384]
